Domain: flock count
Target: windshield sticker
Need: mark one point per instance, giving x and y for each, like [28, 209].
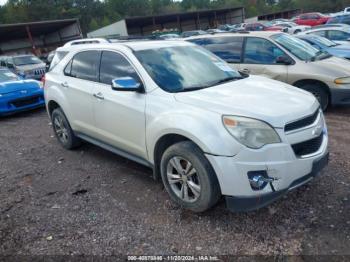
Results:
[224, 67]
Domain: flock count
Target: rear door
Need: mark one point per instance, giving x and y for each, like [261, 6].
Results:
[119, 115]
[227, 48]
[260, 58]
[78, 82]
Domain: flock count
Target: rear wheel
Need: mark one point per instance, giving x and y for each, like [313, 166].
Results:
[63, 131]
[319, 92]
[189, 178]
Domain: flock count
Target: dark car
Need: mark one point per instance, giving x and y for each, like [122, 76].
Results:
[262, 27]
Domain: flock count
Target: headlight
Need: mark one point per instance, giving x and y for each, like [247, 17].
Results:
[250, 132]
[342, 81]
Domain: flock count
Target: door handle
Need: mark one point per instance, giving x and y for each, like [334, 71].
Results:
[65, 84]
[99, 95]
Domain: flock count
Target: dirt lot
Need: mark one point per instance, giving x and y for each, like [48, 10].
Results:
[90, 201]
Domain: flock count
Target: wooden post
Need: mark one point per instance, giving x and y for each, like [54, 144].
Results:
[154, 23]
[198, 22]
[31, 39]
[215, 20]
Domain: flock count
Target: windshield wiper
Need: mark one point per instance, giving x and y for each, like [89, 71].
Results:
[221, 81]
[321, 55]
[227, 79]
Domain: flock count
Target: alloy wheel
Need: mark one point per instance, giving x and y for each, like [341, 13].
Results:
[61, 129]
[183, 179]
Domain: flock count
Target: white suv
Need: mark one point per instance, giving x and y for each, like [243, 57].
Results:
[204, 128]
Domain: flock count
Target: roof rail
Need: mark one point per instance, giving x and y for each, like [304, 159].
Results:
[87, 41]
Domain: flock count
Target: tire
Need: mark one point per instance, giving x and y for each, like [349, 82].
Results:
[63, 130]
[319, 92]
[199, 180]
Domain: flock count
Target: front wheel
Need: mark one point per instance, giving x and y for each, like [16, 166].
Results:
[189, 178]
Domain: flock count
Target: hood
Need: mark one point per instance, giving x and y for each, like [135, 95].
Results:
[257, 97]
[339, 51]
[333, 67]
[14, 86]
[31, 67]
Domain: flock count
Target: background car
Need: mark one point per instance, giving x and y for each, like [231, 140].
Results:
[193, 33]
[285, 58]
[214, 31]
[340, 19]
[262, 27]
[27, 66]
[169, 36]
[311, 19]
[340, 35]
[18, 95]
[324, 44]
[292, 28]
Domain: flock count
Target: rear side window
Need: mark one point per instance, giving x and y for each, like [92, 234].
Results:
[261, 51]
[320, 33]
[227, 48]
[59, 55]
[337, 35]
[84, 66]
[114, 65]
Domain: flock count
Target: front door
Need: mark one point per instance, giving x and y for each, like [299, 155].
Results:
[119, 115]
[260, 58]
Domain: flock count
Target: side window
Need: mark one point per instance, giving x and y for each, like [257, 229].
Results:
[261, 51]
[320, 33]
[85, 65]
[304, 17]
[227, 48]
[113, 66]
[68, 69]
[338, 35]
[10, 63]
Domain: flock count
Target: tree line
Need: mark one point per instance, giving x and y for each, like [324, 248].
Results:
[95, 13]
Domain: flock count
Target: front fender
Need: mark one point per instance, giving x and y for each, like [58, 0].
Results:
[202, 127]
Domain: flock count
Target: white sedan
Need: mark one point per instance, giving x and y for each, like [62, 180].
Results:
[293, 28]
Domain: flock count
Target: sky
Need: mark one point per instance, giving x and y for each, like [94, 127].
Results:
[2, 2]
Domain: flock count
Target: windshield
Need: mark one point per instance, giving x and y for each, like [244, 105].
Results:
[185, 68]
[7, 76]
[26, 60]
[301, 49]
[323, 41]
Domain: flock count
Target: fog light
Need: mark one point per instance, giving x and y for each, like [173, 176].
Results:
[259, 179]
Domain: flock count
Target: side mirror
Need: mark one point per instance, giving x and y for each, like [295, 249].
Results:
[126, 84]
[284, 60]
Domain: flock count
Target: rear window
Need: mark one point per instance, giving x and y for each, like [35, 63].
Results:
[227, 48]
[59, 55]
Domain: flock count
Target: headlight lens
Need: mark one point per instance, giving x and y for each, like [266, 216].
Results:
[250, 132]
[342, 81]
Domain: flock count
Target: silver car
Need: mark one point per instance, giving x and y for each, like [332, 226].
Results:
[26, 66]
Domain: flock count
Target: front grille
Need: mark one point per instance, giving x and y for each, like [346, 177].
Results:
[302, 122]
[39, 72]
[26, 101]
[308, 147]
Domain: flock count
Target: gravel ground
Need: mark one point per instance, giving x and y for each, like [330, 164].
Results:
[92, 202]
